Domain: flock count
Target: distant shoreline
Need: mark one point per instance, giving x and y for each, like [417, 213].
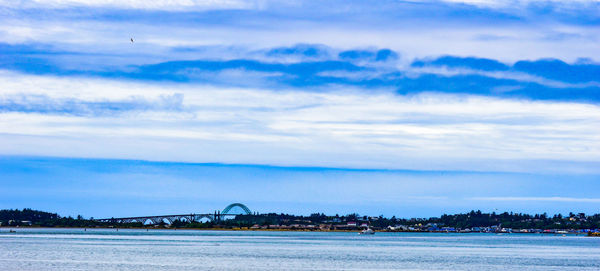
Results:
[172, 229]
[291, 230]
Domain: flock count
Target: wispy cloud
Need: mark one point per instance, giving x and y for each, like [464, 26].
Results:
[106, 26]
[293, 67]
[550, 69]
[174, 5]
[550, 199]
[346, 127]
[347, 84]
[42, 104]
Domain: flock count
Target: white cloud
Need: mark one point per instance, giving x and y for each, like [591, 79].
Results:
[552, 199]
[330, 127]
[518, 76]
[412, 37]
[182, 5]
[217, 4]
[517, 3]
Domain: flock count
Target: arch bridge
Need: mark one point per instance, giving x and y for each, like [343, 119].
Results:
[169, 219]
[230, 206]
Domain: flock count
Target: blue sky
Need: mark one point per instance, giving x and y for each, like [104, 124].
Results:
[397, 108]
[108, 187]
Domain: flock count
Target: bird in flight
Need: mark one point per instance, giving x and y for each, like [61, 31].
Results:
[131, 40]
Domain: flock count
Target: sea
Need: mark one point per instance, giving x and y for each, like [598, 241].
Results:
[138, 250]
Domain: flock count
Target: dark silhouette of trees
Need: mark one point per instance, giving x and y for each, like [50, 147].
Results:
[29, 217]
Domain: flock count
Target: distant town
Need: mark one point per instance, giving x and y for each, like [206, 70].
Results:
[474, 221]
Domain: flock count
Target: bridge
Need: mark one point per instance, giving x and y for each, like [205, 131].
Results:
[169, 219]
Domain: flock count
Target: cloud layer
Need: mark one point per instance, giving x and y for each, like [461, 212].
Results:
[317, 67]
[395, 85]
[340, 127]
[511, 31]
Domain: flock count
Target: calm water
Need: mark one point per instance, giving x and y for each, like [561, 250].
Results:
[74, 249]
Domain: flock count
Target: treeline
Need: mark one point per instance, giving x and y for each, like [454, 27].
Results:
[26, 215]
[462, 221]
[29, 217]
[519, 220]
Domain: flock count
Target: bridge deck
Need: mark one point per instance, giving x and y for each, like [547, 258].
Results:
[170, 218]
[155, 219]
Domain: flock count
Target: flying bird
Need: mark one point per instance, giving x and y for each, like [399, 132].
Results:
[131, 40]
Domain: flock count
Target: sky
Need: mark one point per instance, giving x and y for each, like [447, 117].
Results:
[405, 108]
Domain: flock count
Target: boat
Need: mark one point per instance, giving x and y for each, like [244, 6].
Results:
[367, 231]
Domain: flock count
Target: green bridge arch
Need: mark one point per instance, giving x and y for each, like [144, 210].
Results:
[228, 208]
